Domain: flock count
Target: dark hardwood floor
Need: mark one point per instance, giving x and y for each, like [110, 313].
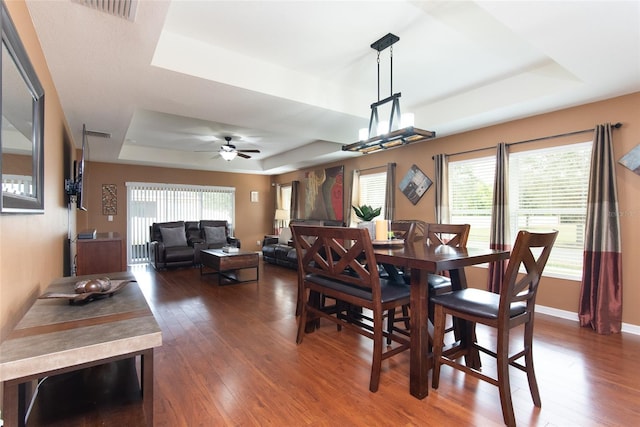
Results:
[229, 358]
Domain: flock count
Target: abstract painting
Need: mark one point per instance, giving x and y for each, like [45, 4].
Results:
[323, 194]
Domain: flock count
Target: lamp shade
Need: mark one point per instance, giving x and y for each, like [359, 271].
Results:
[281, 215]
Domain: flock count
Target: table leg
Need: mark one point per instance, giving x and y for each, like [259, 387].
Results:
[146, 384]
[13, 404]
[419, 350]
[464, 330]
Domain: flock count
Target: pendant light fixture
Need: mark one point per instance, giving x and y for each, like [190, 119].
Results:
[399, 129]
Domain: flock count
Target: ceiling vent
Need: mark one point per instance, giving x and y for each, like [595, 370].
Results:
[121, 8]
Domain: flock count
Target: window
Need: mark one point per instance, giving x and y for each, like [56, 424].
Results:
[547, 190]
[471, 197]
[285, 197]
[148, 203]
[371, 190]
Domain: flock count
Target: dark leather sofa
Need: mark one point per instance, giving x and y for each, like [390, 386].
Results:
[280, 251]
[178, 243]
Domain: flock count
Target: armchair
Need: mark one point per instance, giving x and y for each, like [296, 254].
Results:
[168, 246]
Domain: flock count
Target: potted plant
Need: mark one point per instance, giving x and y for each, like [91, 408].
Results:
[366, 213]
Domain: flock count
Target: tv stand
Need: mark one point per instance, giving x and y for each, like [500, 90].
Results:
[104, 254]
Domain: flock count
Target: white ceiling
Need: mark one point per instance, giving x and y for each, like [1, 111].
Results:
[295, 79]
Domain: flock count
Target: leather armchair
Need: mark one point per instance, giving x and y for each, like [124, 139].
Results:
[168, 246]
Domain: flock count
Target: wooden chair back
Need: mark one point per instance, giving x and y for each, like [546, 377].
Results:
[419, 228]
[448, 234]
[337, 253]
[531, 251]
[404, 230]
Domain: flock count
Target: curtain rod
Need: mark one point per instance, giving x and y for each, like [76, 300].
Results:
[615, 126]
[373, 167]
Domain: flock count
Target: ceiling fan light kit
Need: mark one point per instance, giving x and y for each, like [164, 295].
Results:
[228, 155]
[229, 151]
[385, 135]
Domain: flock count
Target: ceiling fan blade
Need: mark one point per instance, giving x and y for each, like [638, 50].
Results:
[248, 151]
[244, 156]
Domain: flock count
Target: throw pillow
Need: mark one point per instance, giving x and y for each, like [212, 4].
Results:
[173, 236]
[215, 235]
[285, 236]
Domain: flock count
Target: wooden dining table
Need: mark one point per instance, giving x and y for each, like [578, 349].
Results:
[421, 260]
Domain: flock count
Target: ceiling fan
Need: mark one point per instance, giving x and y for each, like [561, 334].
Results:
[229, 151]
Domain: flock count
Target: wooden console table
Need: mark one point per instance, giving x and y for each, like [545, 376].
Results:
[55, 337]
[104, 254]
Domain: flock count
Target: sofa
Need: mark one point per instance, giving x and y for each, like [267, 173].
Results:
[178, 243]
[280, 250]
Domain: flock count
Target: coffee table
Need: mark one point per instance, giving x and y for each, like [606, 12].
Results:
[228, 265]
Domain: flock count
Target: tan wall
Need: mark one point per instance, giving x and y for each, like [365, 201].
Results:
[555, 293]
[32, 246]
[253, 220]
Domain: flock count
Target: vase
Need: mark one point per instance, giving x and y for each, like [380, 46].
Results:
[369, 225]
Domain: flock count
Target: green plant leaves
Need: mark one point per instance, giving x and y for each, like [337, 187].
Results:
[366, 212]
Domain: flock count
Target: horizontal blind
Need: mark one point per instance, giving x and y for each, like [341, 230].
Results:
[548, 190]
[372, 191]
[153, 202]
[471, 197]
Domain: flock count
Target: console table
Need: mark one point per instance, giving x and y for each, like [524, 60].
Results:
[104, 254]
[56, 337]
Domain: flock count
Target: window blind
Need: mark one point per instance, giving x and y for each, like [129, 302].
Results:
[372, 191]
[471, 197]
[548, 190]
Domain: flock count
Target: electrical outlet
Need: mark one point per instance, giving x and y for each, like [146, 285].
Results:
[258, 243]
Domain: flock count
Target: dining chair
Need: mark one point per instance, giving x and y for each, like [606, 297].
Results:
[514, 306]
[405, 229]
[455, 235]
[339, 263]
[419, 229]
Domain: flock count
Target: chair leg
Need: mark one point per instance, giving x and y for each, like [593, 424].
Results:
[376, 363]
[438, 343]
[504, 385]
[302, 320]
[405, 315]
[299, 300]
[391, 319]
[528, 360]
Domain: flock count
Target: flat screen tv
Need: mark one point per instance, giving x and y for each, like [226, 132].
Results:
[80, 196]
[75, 186]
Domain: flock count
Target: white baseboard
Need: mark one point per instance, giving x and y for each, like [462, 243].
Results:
[570, 315]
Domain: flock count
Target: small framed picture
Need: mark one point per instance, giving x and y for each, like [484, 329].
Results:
[631, 160]
[254, 197]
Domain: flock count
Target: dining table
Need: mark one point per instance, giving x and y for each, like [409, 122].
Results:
[421, 259]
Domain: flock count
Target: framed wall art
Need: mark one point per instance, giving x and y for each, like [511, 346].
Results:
[109, 199]
[414, 184]
[631, 160]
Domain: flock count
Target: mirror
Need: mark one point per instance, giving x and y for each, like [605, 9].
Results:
[21, 136]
